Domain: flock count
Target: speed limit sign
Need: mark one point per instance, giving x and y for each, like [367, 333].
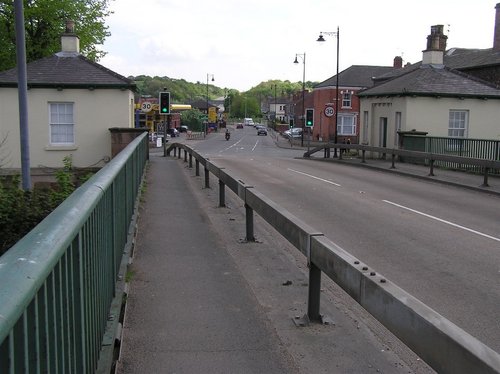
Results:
[329, 111]
[146, 106]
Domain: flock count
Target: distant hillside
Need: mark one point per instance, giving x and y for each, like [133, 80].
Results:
[183, 91]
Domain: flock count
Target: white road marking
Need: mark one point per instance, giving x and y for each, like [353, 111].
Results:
[231, 146]
[255, 146]
[312, 176]
[443, 221]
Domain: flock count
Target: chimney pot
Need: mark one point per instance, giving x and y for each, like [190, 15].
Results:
[496, 36]
[398, 62]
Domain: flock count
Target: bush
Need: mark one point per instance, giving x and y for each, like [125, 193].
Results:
[21, 211]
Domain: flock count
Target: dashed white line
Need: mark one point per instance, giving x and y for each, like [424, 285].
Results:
[255, 146]
[443, 221]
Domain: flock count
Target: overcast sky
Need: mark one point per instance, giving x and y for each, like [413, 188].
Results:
[245, 42]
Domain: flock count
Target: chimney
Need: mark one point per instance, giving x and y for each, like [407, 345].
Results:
[436, 45]
[496, 38]
[70, 42]
[398, 62]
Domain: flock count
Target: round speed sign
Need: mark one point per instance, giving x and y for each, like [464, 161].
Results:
[329, 111]
[146, 106]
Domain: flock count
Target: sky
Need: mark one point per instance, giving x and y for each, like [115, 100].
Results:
[242, 43]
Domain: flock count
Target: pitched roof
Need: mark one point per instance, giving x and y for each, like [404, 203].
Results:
[433, 80]
[67, 70]
[356, 76]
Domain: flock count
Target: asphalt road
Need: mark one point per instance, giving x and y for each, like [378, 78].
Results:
[438, 242]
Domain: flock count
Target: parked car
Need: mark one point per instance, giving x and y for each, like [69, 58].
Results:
[261, 130]
[295, 132]
[183, 128]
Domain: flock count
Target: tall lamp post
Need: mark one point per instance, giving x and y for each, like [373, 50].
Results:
[321, 39]
[208, 76]
[303, 57]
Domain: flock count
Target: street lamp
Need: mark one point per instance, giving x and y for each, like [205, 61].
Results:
[303, 57]
[208, 76]
[321, 39]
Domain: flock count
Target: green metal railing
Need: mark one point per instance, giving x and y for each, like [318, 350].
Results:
[58, 282]
[471, 148]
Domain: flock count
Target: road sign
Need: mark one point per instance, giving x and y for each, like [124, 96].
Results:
[146, 106]
[329, 111]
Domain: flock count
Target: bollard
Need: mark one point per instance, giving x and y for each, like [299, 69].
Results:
[363, 156]
[222, 194]
[249, 223]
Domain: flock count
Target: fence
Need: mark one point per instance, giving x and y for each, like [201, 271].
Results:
[60, 300]
[468, 148]
[486, 166]
[443, 345]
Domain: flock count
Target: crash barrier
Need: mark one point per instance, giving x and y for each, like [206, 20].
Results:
[62, 284]
[487, 166]
[443, 345]
[194, 135]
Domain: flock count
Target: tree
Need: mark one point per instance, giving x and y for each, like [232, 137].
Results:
[45, 21]
[192, 119]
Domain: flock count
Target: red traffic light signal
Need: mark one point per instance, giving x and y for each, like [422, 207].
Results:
[164, 102]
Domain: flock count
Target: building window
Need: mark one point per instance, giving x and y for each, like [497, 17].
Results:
[458, 123]
[346, 125]
[61, 124]
[346, 99]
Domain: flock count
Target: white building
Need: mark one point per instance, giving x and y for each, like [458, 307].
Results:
[72, 103]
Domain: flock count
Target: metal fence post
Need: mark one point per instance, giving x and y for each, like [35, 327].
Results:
[197, 168]
[207, 178]
[185, 155]
[249, 224]
[190, 161]
[314, 294]
[222, 194]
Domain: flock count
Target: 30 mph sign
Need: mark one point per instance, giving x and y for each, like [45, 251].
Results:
[146, 106]
[329, 111]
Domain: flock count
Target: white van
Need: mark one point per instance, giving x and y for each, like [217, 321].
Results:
[248, 122]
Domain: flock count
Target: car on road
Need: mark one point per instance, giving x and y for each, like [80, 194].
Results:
[295, 132]
[239, 126]
[261, 130]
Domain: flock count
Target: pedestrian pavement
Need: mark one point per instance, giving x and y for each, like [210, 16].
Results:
[201, 302]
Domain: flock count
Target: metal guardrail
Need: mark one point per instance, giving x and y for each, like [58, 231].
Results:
[443, 345]
[486, 165]
[59, 295]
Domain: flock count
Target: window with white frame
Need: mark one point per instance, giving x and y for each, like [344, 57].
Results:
[458, 123]
[346, 125]
[346, 99]
[61, 123]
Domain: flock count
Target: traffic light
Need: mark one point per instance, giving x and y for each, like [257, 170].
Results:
[164, 102]
[291, 123]
[309, 117]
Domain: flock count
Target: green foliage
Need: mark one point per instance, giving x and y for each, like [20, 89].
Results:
[181, 91]
[192, 119]
[21, 211]
[45, 22]
[244, 106]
